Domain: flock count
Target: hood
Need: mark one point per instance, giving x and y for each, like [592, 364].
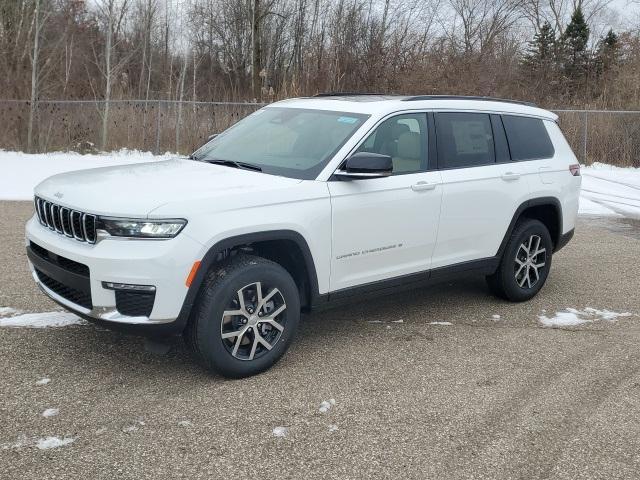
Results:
[136, 190]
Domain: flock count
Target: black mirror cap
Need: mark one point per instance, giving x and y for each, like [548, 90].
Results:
[369, 165]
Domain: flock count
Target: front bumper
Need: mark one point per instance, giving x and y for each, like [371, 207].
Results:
[164, 264]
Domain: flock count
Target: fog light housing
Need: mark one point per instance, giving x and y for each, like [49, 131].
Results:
[128, 287]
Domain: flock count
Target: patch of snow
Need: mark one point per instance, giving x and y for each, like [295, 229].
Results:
[130, 428]
[185, 423]
[495, 317]
[572, 317]
[9, 312]
[280, 432]
[41, 320]
[374, 321]
[398, 321]
[388, 327]
[610, 190]
[53, 442]
[333, 428]
[50, 412]
[43, 381]
[440, 323]
[21, 172]
[326, 405]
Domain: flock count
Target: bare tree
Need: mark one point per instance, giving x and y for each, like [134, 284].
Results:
[110, 13]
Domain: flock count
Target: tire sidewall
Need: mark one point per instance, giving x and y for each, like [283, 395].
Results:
[525, 230]
[210, 343]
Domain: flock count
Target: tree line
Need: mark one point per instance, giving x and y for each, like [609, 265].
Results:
[554, 52]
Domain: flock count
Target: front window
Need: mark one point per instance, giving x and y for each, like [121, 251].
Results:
[290, 142]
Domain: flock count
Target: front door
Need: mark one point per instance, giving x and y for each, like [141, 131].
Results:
[387, 227]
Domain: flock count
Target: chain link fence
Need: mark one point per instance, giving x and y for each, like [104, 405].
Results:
[155, 125]
[161, 125]
[608, 136]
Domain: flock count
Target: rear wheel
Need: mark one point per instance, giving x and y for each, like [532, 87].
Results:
[525, 262]
[246, 316]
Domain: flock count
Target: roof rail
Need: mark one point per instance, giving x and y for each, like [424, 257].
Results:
[463, 97]
[351, 94]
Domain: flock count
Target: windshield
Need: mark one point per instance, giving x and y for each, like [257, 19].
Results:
[291, 142]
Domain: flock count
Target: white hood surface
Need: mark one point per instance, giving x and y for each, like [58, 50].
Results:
[138, 189]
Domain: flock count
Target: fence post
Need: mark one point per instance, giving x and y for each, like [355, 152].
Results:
[157, 149]
[584, 138]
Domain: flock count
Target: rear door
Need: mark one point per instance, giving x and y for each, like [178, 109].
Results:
[481, 186]
[387, 227]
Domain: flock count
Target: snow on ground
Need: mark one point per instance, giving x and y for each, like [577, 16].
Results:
[440, 323]
[41, 320]
[21, 172]
[53, 442]
[572, 317]
[609, 190]
[8, 312]
[50, 412]
[43, 381]
[280, 431]
[326, 405]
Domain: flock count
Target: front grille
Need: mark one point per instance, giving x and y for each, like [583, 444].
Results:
[65, 221]
[134, 304]
[71, 294]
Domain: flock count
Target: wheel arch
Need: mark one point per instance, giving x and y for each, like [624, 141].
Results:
[548, 210]
[285, 247]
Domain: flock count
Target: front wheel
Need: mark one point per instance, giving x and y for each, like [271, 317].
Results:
[525, 262]
[246, 316]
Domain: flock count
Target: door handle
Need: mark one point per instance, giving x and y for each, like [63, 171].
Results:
[510, 176]
[421, 186]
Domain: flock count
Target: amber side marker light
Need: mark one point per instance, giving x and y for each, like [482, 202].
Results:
[192, 273]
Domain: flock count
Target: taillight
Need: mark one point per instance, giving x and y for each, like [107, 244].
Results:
[575, 169]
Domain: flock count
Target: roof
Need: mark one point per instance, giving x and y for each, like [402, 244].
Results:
[383, 104]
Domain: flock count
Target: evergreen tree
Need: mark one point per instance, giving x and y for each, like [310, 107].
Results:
[541, 53]
[574, 46]
[608, 55]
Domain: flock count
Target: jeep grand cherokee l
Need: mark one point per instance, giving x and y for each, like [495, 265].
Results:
[304, 203]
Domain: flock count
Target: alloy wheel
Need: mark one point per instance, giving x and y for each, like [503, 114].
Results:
[530, 259]
[254, 321]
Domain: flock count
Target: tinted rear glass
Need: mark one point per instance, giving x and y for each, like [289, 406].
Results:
[464, 140]
[528, 138]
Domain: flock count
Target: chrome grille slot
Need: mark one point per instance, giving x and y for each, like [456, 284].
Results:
[38, 205]
[55, 218]
[63, 220]
[89, 227]
[76, 225]
[49, 214]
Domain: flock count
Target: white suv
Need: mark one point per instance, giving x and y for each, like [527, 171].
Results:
[304, 203]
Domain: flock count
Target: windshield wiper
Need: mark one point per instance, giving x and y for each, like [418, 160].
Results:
[234, 164]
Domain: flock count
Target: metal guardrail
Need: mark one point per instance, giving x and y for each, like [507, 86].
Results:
[611, 136]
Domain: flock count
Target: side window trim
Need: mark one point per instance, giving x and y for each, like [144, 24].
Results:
[532, 159]
[440, 164]
[500, 140]
[431, 163]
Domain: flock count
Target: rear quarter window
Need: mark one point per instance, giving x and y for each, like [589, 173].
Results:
[528, 138]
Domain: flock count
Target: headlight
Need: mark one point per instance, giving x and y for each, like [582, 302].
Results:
[139, 228]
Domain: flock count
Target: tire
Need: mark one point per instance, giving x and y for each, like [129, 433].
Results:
[517, 279]
[210, 332]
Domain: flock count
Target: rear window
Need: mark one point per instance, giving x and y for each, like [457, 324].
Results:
[464, 140]
[528, 138]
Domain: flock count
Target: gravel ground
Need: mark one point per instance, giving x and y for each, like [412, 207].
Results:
[481, 398]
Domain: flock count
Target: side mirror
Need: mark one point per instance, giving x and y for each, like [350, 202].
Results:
[363, 165]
